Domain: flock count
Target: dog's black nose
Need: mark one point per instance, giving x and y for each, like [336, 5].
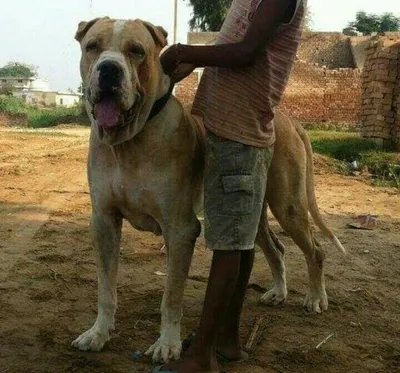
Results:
[110, 76]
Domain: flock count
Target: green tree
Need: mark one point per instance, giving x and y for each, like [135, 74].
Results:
[308, 20]
[7, 89]
[389, 22]
[209, 15]
[17, 69]
[370, 23]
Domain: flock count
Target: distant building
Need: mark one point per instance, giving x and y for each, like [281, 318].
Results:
[17, 83]
[37, 92]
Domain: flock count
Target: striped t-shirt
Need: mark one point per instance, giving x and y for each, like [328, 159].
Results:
[238, 104]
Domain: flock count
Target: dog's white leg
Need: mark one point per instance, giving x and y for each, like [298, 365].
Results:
[274, 252]
[316, 299]
[180, 242]
[106, 230]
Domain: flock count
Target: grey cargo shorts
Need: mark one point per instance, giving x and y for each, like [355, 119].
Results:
[234, 192]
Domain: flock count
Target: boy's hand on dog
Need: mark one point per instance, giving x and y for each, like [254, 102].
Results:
[181, 72]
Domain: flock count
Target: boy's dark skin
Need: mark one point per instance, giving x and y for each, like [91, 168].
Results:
[230, 270]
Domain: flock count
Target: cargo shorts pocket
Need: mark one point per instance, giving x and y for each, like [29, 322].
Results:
[238, 198]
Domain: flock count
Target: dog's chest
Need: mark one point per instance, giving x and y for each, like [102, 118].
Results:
[134, 192]
[128, 188]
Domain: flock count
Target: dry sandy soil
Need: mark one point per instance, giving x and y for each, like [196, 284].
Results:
[48, 281]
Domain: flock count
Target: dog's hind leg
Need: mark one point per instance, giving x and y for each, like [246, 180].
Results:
[274, 252]
[106, 231]
[180, 238]
[293, 218]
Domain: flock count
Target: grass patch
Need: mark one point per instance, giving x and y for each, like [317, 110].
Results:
[348, 147]
[13, 105]
[41, 118]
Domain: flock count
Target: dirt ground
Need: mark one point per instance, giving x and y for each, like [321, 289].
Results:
[48, 282]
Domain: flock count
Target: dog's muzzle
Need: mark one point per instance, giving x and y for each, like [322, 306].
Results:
[107, 108]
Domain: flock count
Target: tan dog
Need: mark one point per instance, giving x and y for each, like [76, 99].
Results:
[146, 162]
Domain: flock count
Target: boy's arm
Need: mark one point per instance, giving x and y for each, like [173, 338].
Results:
[267, 18]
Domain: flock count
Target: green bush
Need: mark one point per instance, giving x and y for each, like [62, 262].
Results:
[345, 146]
[349, 146]
[40, 118]
[383, 165]
[36, 117]
[13, 105]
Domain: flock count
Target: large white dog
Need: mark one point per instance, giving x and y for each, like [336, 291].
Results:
[145, 165]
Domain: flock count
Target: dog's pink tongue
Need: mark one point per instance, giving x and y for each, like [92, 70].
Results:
[107, 113]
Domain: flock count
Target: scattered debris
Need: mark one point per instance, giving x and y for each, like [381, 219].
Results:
[355, 290]
[159, 273]
[354, 166]
[324, 341]
[137, 355]
[367, 221]
[355, 324]
[256, 333]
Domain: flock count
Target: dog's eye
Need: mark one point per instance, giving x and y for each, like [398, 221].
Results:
[136, 50]
[92, 46]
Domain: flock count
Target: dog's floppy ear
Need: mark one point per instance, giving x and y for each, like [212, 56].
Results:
[158, 33]
[84, 27]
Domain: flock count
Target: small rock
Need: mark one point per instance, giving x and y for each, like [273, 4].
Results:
[366, 251]
[137, 355]
[159, 273]
[354, 165]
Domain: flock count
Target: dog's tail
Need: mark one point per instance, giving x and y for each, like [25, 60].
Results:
[312, 202]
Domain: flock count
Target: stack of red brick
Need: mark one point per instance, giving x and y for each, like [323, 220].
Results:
[380, 110]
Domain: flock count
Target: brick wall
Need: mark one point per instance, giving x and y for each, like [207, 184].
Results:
[380, 109]
[314, 94]
[186, 89]
[329, 49]
[319, 95]
[397, 103]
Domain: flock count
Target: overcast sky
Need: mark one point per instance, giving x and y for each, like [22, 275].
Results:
[40, 32]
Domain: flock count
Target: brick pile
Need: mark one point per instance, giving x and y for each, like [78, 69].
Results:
[380, 109]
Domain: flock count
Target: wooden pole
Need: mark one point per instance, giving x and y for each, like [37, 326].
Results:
[175, 20]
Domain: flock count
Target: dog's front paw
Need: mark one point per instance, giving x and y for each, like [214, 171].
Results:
[274, 296]
[316, 301]
[91, 340]
[165, 349]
